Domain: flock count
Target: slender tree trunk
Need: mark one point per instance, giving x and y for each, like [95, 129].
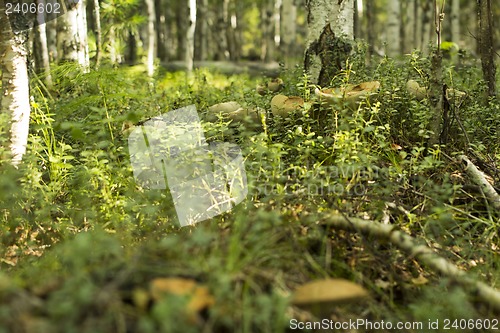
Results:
[266, 16]
[98, 33]
[189, 56]
[288, 30]
[426, 26]
[222, 52]
[51, 33]
[409, 26]
[455, 22]
[393, 28]
[150, 4]
[201, 31]
[486, 45]
[436, 93]
[42, 62]
[329, 40]
[14, 94]
[370, 30]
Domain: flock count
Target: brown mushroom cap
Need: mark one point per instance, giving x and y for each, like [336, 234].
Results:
[352, 93]
[282, 105]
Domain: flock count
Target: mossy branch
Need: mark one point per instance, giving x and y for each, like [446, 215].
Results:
[420, 252]
[478, 177]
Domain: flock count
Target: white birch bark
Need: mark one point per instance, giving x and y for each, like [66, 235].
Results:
[339, 15]
[189, 56]
[14, 98]
[72, 35]
[150, 4]
[393, 40]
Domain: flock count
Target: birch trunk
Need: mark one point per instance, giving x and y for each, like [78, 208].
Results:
[189, 56]
[14, 98]
[393, 28]
[329, 38]
[150, 4]
[72, 35]
[98, 33]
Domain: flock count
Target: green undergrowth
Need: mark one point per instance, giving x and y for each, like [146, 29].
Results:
[81, 241]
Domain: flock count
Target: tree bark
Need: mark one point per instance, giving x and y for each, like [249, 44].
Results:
[393, 47]
[98, 33]
[189, 56]
[329, 40]
[288, 30]
[151, 46]
[42, 61]
[486, 45]
[14, 98]
[72, 35]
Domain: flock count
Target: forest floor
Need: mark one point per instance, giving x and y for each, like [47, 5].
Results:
[350, 217]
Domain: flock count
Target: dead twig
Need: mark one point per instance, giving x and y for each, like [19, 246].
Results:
[479, 178]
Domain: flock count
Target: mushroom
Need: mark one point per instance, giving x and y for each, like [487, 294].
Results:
[282, 105]
[351, 93]
[319, 295]
[232, 110]
[274, 86]
[415, 90]
[455, 96]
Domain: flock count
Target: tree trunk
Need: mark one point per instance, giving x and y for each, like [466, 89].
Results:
[201, 31]
[486, 45]
[288, 30]
[409, 26]
[189, 56]
[222, 52]
[151, 45]
[426, 26]
[329, 40]
[267, 24]
[14, 97]
[41, 53]
[393, 47]
[455, 22]
[98, 33]
[72, 35]
[370, 24]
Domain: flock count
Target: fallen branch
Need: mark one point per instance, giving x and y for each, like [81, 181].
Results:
[478, 177]
[421, 253]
